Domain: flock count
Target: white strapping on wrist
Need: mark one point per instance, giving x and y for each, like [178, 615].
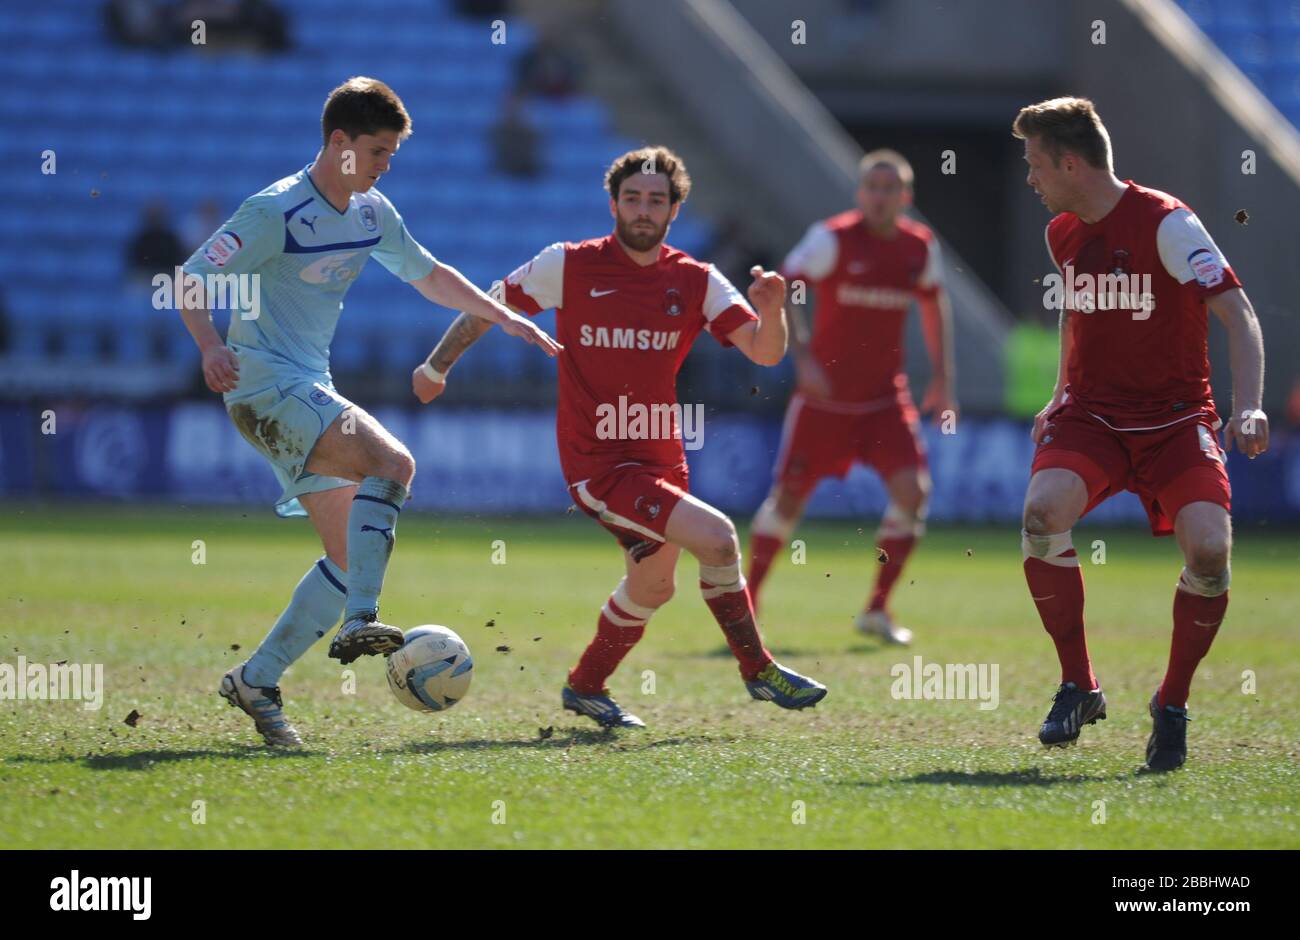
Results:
[432, 374]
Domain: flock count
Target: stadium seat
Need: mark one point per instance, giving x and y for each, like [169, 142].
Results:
[1283, 13]
[1237, 13]
[1284, 88]
[1285, 41]
[1247, 47]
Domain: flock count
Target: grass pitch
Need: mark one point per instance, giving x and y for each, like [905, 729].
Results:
[508, 768]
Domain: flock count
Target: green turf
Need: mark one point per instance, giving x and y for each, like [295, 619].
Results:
[714, 769]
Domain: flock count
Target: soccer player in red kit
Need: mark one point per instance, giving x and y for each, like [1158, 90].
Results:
[628, 308]
[852, 403]
[1132, 407]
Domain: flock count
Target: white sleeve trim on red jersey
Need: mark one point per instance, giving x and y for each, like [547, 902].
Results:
[542, 278]
[932, 275]
[1187, 250]
[721, 295]
[1047, 240]
[815, 255]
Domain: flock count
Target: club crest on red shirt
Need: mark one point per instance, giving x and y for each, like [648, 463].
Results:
[647, 507]
[673, 303]
[1121, 262]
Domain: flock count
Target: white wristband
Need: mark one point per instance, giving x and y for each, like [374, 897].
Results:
[432, 374]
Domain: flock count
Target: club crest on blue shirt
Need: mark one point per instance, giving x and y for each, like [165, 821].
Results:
[368, 218]
[320, 396]
[673, 302]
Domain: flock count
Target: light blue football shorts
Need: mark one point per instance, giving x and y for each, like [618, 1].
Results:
[282, 411]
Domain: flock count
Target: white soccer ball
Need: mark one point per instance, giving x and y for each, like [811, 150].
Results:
[432, 670]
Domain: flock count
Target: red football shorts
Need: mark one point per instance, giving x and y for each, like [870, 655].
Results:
[633, 501]
[818, 442]
[1167, 468]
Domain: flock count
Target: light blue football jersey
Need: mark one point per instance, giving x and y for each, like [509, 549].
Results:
[306, 254]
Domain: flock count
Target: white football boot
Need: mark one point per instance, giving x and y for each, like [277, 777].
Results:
[264, 706]
[878, 623]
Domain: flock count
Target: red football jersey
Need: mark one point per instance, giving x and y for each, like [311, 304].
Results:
[865, 285]
[1139, 360]
[625, 328]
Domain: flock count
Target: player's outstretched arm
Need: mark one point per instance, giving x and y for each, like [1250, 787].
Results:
[936, 325]
[1248, 425]
[764, 341]
[447, 286]
[429, 379]
[810, 377]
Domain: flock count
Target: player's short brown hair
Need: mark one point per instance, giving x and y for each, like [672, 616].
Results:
[887, 157]
[364, 106]
[650, 160]
[1066, 124]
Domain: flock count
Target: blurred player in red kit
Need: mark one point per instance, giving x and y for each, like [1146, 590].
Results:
[1132, 408]
[852, 402]
[628, 307]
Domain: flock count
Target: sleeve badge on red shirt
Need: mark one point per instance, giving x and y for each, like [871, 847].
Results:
[1206, 266]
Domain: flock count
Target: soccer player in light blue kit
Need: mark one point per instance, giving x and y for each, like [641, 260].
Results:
[297, 246]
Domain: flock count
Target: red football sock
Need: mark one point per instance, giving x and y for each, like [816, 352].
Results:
[896, 548]
[1058, 593]
[617, 631]
[1196, 622]
[733, 608]
[762, 552]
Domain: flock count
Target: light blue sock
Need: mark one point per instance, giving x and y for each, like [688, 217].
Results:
[313, 610]
[371, 524]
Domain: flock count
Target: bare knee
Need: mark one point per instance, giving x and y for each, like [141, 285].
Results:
[1208, 556]
[1036, 518]
[655, 593]
[1054, 502]
[1045, 516]
[397, 465]
[720, 547]
[910, 492]
[789, 503]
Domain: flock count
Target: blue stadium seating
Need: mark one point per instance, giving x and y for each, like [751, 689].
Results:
[129, 127]
[1262, 37]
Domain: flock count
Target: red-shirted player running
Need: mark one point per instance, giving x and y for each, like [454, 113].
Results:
[852, 402]
[628, 308]
[1132, 406]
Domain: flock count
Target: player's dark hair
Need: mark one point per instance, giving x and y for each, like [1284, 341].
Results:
[364, 106]
[1066, 124]
[650, 160]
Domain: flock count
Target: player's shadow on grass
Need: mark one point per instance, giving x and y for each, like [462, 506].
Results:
[1028, 777]
[564, 739]
[143, 760]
